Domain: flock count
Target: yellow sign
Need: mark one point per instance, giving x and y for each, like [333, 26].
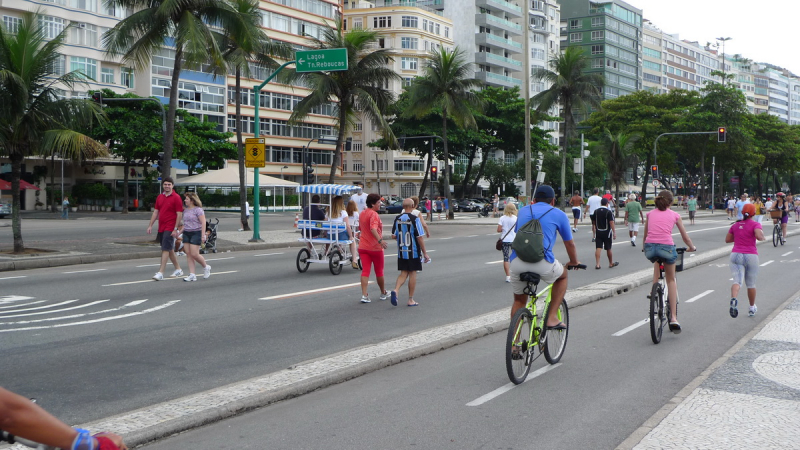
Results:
[254, 154]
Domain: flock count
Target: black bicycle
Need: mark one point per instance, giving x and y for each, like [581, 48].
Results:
[659, 305]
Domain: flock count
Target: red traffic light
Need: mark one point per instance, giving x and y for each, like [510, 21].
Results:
[721, 134]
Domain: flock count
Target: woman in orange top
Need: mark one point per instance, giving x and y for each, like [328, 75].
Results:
[372, 245]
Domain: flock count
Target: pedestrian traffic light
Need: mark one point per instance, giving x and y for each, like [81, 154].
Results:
[97, 97]
[539, 161]
[721, 134]
[654, 172]
[434, 173]
[160, 164]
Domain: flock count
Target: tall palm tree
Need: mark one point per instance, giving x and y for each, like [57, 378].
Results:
[619, 155]
[572, 88]
[241, 46]
[33, 119]
[445, 86]
[359, 88]
[191, 27]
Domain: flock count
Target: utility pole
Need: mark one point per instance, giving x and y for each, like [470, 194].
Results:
[526, 86]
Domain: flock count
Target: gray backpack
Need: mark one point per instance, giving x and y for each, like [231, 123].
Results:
[529, 241]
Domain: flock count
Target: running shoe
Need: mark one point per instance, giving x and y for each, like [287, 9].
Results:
[753, 310]
[177, 273]
[365, 299]
[206, 271]
[158, 276]
[508, 279]
[734, 310]
[385, 296]
[191, 277]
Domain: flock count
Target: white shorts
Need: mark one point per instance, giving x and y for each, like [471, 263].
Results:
[548, 272]
[633, 226]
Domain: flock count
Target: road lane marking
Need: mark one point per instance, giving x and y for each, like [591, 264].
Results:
[149, 265]
[219, 259]
[165, 279]
[268, 254]
[312, 291]
[56, 310]
[444, 239]
[767, 263]
[699, 296]
[75, 316]
[82, 271]
[14, 298]
[494, 262]
[472, 235]
[41, 307]
[502, 390]
[24, 304]
[11, 278]
[787, 253]
[631, 328]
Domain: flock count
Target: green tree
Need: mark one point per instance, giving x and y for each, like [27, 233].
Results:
[572, 88]
[445, 86]
[200, 145]
[619, 155]
[360, 87]
[190, 27]
[33, 120]
[776, 145]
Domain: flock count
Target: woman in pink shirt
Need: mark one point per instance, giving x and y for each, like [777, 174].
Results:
[658, 243]
[744, 257]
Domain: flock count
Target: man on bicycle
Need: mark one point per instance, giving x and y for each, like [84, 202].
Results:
[550, 271]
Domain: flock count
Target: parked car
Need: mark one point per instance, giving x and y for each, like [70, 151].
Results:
[5, 209]
[396, 207]
[382, 208]
[479, 202]
[503, 202]
[466, 205]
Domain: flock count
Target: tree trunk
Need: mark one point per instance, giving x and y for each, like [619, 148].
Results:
[703, 178]
[468, 172]
[425, 177]
[240, 146]
[125, 183]
[16, 225]
[645, 179]
[339, 140]
[480, 174]
[446, 166]
[173, 106]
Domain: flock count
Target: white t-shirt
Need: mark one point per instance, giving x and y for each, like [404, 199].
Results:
[353, 220]
[340, 218]
[361, 201]
[768, 205]
[508, 222]
[594, 203]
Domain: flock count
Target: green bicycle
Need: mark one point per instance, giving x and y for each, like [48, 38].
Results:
[528, 332]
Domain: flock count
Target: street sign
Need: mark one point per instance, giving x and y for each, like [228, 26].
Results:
[656, 183]
[327, 60]
[254, 154]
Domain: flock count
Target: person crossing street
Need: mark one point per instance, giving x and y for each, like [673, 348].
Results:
[408, 231]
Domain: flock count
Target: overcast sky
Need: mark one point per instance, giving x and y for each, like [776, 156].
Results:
[763, 30]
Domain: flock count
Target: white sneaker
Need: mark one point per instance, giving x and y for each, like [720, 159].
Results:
[158, 276]
[753, 310]
[365, 299]
[177, 273]
[180, 254]
[385, 296]
[508, 279]
[206, 271]
[191, 277]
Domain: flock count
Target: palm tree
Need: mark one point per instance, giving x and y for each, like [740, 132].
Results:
[445, 86]
[191, 27]
[33, 119]
[359, 88]
[572, 88]
[619, 155]
[242, 45]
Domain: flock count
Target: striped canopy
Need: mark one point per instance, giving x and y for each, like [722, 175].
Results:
[333, 189]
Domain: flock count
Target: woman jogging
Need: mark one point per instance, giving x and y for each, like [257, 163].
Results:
[194, 234]
[744, 257]
[658, 243]
[506, 226]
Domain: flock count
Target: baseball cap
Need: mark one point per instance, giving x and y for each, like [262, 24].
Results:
[544, 191]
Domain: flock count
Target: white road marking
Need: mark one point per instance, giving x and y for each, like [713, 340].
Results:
[135, 302]
[495, 262]
[165, 279]
[75, 316]
[24, 304]
[767, 263]
[312, 291]
[268, 254]
[219, 259]
[787, 253]
[699, 296]
[82, 271]
[85, 322]
[491, 234]
[41, 307]
[14, 298]
[472, 235]
[56, 310]
[631, 328]
[149, 265]
[11, 278]
[444, 239]
[502, 390]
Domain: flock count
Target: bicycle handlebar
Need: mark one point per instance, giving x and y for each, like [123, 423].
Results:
[576, 267]
[11, 439]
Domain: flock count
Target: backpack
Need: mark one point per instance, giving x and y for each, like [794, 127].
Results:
[602, 219]
[529, 241]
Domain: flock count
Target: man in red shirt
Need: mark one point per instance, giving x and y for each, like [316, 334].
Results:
[169, 212]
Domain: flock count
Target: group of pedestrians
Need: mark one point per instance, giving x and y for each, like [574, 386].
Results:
[438, 205]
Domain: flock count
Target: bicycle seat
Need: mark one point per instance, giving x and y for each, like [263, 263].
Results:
[530, 277]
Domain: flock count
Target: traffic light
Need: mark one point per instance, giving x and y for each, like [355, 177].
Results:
[434, 173]
[308, 173]
[721, 134]
[97, 97]
[133, 172]
[654, 172]
[160, 164]
[539, 161]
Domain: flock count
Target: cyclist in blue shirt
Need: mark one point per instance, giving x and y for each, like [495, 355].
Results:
[552, 220]
[407, 229]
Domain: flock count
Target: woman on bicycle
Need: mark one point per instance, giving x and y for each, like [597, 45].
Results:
[658, 244]
[744, 257]
[783, 206]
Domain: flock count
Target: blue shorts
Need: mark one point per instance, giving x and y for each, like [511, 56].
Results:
[666, 252]
[576, 213]
[193, 237]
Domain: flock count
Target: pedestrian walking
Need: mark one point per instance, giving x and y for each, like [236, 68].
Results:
[744, 257]
[592, 203]
[692, 205]
[408, 231]
[633, 217]
[429, 209]
[739, 205]
[194, 234]
[417, 213]
[506, 226]
[352, 217]
[65, 208]
[759, 205]
[446, 208]
[731, 207]
[439, 207]
[576, 202]
[372, 246]
[495, 205]
[168, 211]
[360, 197]
[605, 234]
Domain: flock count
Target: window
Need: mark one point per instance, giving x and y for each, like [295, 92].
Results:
[409, 22]
[574, 24]
[58, 67]
[651, 53]
[408, 165]
[578, 37]
[447, 32]
[86, 66]
[437, 28]
[126, 77]
[597, 35]
[537, 53]
[107, 76]
[357, 23]
[408, 63]
[407, 81]
[597, 63]
[357, 147]
[88, 5]
[84, 34]
[12, 23]
[358, 167]
[382, 22]
[651, 65]
[51, 26]
[408, 42]
[597, 49]
[597, 22]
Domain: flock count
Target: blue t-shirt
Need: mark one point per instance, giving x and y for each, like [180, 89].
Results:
[407, 228]
[446, 204]
[555, 221]
[739, 205]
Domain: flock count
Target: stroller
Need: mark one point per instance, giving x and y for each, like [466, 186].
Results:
[210, 246]
[487, 209]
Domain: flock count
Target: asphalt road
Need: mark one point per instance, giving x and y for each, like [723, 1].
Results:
[96, 340]
[607, 384]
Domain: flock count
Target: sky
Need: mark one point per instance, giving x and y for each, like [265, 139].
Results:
[764, 30]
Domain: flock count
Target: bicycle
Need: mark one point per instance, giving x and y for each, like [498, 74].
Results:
[528, 331]
[777, 233]
[659, 305]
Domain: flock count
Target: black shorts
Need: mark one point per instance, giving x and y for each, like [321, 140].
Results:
[409, 265]
[591, 216]
[166, 240]
[603, 240]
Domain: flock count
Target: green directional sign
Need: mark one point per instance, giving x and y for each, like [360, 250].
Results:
[327, 60]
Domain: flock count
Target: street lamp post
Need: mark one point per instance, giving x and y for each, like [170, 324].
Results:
[283, 191]
[723, 39]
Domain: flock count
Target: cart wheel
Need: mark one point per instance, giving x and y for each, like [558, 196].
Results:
[334, 261]
[214, 251]
[302, 260]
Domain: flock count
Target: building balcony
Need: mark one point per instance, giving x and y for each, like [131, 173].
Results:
[490, 21]
[495, 79]
[490, 59]
[496, 41]
[509, 8]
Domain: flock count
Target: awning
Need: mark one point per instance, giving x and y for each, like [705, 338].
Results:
[6, 185]
[333, 189]
[229, 177]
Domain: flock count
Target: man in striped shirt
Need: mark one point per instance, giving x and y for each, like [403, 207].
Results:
[407, 229]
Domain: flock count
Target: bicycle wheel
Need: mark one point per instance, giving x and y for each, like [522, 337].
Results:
[302, 260]
[656, 312]
[333, 262]
[775, 232]
[519, 350]
[555, 341]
